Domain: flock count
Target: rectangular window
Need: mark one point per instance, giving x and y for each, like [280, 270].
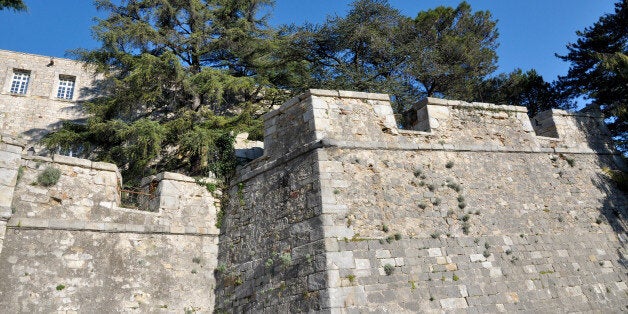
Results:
[19, 84]
[66, 87]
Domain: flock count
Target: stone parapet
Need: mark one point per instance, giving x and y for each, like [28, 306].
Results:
[474, 209]
[366, 119]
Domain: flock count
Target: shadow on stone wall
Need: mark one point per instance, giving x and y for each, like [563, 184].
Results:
[614, 210]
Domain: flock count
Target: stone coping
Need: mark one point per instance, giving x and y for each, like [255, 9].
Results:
[18, 223]
[73, 161]
[264, 164]
[39, 56]
[324, 93]
[11, 140]
[168, 176]
[473, 105]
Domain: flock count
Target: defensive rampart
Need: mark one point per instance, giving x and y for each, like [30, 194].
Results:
[474, 208]
[69, 246]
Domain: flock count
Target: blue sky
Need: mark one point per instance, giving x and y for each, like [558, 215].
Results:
[531, 31]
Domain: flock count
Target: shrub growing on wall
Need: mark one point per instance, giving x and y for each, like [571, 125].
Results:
[49, 177]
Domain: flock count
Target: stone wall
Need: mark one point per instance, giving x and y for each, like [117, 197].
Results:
[470, 211]
[34, 114]
[272, 255]
[71, 247]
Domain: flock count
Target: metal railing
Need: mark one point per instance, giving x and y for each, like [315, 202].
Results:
[138, 197]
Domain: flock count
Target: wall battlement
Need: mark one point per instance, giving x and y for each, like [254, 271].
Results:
[474, 208]
[75, 246]
[336, 117]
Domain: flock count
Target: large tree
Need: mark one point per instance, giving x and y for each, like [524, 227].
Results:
[520, 88]
[443, 51]
[454, 49]
[599, 69]
[180, 76]
[364, 50]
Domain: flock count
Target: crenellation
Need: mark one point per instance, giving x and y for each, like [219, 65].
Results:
[82, 244]
[475, 212]
[469, 207]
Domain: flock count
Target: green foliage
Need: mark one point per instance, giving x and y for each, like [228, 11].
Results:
[619, 177]
[286, 259]
[60, 287]
[389, 269]
[527, 89]
[221, 268]
[16, 5]
[443, 51]
[180, 79]
[20, 173]
[269, 263]
[49, 177]
[599, 69]
[454, 48]
[220, 216]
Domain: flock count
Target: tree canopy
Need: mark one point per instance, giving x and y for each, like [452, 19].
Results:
[182, 77]
[16, 5]
[443, 51]
[599, 69]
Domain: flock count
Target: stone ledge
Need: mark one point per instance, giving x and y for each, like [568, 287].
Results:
[8, 139]
[458, 147]
[19, 223]
[474, 105]
[324, 93]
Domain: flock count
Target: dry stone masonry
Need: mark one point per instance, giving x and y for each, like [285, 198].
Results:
[473, 208]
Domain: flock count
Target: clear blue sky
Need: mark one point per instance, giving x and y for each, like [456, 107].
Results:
[531, 31]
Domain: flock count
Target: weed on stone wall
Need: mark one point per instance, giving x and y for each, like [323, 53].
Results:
[20, 173]
[49, 177]
[619, 177]
[384, 228]
[389, 269]
[220, 216]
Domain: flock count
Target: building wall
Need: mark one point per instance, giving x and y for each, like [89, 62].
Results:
[34, 114]
[473, 212]
[72, 247]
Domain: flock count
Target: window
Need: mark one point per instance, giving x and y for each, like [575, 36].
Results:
[19, 85]
[66, 87]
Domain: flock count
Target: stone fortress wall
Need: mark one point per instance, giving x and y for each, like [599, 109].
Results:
[71, 247]
[31, 115]
[470, 210]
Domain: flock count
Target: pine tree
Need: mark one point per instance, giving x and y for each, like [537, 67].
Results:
[179, 78]
[599, 69]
